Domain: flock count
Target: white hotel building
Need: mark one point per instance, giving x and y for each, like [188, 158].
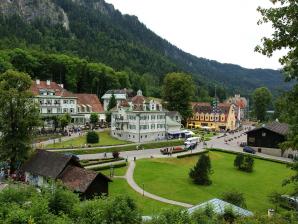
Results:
[54, 100]
[139, 120]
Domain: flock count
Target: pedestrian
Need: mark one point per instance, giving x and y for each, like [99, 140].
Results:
[105, 155]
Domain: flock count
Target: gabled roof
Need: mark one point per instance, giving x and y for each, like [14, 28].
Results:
[202, 107]
[48, 164]
[90, 99]
[219, 207]
[79, 179]
[53, 86]
[279, 128]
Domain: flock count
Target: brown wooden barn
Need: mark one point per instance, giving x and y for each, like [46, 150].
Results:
[45, 165]
[268, 136]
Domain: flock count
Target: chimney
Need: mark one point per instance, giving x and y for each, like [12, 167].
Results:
[37, 82]
[48, 82]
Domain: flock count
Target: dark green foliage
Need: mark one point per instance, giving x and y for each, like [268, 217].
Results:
[229, 215]
[116, 155]
[94, 119]
[102, 34]
[172, 216]
[178, 92]
[235, 198]
[92, 137]
[118, 210]
[18, 117]
[112, 102]
[64, 120]
[21, 204]
[261, 101]
[244, 162]
[62, 201]
[201, 171]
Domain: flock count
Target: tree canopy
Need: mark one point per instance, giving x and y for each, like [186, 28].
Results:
[261, 101]
[178, 92]
[19, 115]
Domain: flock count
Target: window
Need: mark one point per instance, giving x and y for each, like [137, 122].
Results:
[251, 139]
[153, 117]
[71, 101]
[71, 110]
[263, 134]
[65, 101]
[49, 102]
[152, 126]
[65, 110]
[49, 111]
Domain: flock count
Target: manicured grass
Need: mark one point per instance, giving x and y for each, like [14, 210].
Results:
[169, 178]
[105, 139]
[146, 205]
[128, 147]
[121, 171]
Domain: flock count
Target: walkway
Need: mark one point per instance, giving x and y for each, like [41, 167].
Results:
[132, 183]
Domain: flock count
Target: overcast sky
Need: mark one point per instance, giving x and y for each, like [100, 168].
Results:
[223, 30]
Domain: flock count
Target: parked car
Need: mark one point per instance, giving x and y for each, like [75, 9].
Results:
[171, 150]
[192, 140]
[249, 150]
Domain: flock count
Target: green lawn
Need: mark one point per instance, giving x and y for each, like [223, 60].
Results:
[169, 178]
[105, 139]
[146, 205]
[121, 171]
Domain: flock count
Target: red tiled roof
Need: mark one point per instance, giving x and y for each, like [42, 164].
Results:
[89, 99]
[138, 100]
[124, 103]
[240, 103]
[59, 91]
[78, 179]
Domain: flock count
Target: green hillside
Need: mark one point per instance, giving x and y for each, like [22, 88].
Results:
[94, 30]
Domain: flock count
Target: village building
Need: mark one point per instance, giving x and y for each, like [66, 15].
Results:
[45, 166]
[54, 100]
[120, 95]
[210, 117]
[141, 119]
[242, 106]
[268, 137]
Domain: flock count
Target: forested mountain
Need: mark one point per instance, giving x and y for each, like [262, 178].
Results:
[94, 30]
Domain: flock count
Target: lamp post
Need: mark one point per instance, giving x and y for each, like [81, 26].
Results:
[143, 189]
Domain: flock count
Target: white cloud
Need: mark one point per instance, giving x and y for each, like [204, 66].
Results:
[225, 31]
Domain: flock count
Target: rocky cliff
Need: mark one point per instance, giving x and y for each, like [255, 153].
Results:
[31, 10]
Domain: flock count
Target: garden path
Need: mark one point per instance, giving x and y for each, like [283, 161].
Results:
[133, 185]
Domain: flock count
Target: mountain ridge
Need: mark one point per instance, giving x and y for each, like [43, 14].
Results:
[100, 32]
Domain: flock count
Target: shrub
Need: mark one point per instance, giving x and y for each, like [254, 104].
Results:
[201, 171]
[235, 198]
[229, 215]
[115, 155]
[244, 162]
[92, 137]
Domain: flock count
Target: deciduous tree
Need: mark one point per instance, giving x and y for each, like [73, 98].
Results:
[178, 92]
[19, 115]
[261, 100]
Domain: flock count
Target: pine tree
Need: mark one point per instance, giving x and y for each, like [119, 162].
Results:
[112, 102]
[201, 171]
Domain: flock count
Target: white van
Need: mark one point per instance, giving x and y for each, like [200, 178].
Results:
[192, 141]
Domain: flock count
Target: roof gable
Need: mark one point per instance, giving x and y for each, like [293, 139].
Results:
[79, 179]
[279, 128]
[48, 164]
[90, 99]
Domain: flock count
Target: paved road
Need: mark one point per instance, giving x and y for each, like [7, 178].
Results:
[215, 142]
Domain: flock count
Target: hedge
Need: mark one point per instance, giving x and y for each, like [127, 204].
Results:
[254, 156]
[127, 148]
[99, 161]
[117, 165]
[192, 154]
